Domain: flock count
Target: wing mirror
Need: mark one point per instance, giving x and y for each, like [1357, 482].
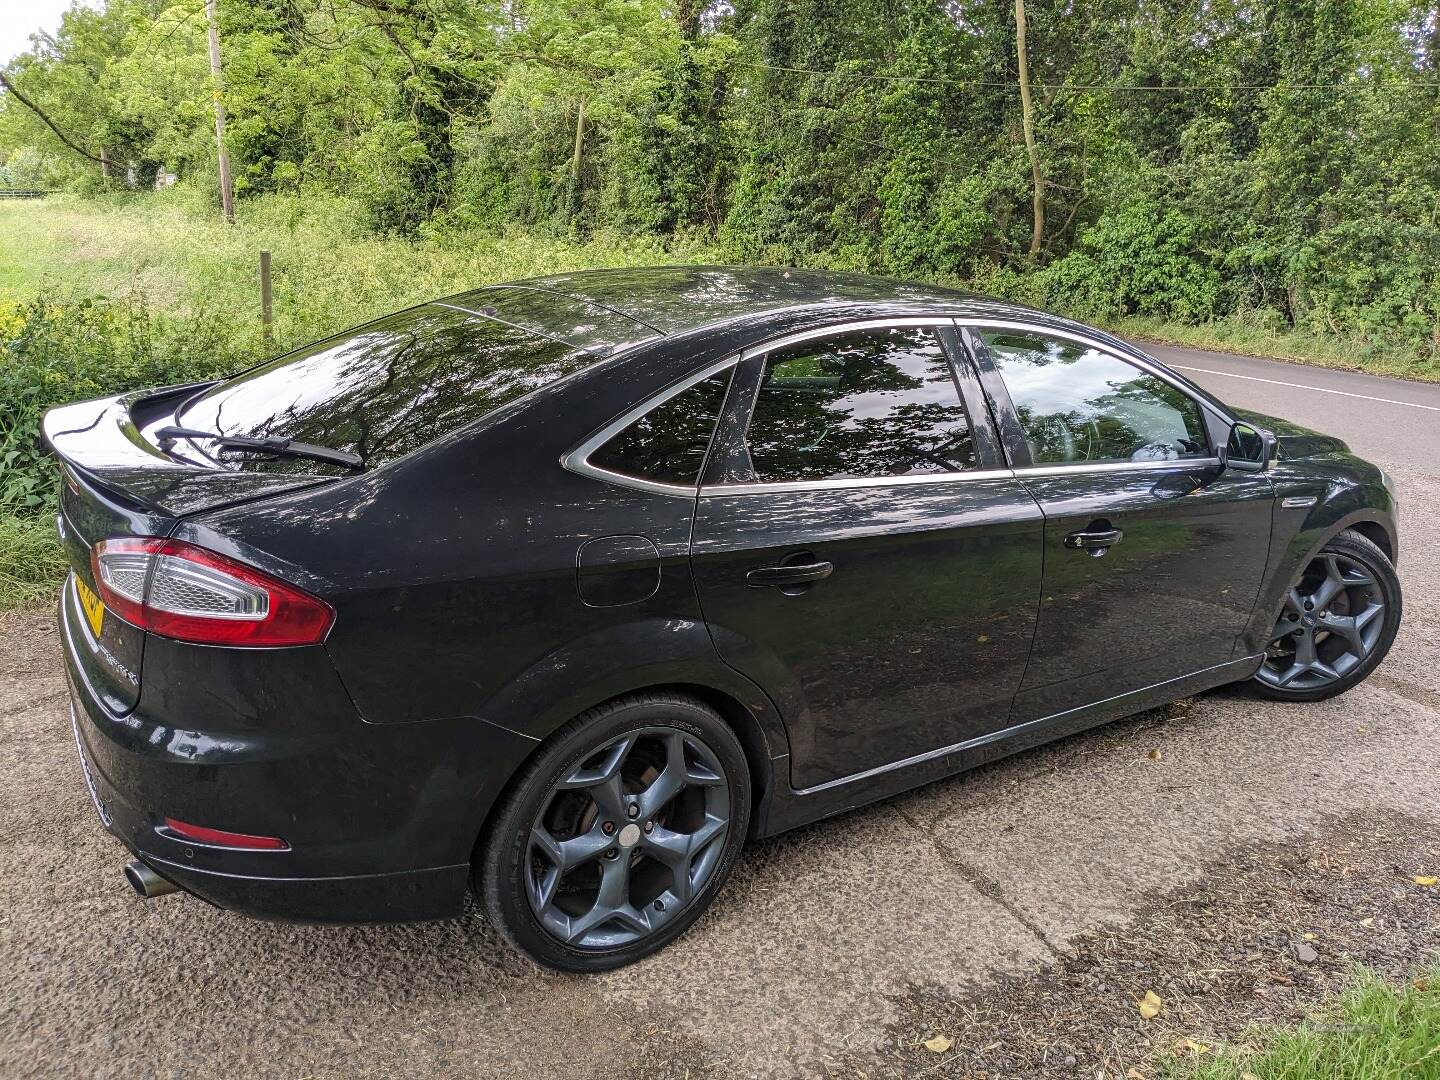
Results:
[1249, 448]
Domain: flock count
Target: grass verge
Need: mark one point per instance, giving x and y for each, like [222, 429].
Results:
[1374, 1030]
[31, 562]
[1243, 337]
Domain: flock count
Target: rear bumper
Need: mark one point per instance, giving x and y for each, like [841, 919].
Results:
[381, 819]
[400, 896]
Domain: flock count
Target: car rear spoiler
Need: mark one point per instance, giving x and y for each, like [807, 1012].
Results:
[102, 442]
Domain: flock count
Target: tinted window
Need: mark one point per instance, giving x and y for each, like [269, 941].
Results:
[387, 388]
[669, 442]
[870, 403]
[1079, 404]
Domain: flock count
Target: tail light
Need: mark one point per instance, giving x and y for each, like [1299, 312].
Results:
[181, 591]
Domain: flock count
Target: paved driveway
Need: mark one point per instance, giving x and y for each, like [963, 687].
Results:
[810, 953]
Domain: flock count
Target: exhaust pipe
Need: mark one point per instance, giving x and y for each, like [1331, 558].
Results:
[146, 882]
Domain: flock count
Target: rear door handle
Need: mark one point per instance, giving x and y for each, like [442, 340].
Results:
[798, 574]
[1094, 542]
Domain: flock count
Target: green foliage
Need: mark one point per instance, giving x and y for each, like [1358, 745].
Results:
[1373, 1031]
[61, 348]
[1200, 162]
[31, 561]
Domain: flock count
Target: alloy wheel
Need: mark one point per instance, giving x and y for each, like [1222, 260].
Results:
[1332, 621]
[627, 837]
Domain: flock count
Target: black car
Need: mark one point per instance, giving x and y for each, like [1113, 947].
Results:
[559, 590]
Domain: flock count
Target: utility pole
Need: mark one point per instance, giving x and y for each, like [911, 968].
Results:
[1027, 121]
[227, 188]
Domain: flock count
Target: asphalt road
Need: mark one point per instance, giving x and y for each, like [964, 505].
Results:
[821, 934]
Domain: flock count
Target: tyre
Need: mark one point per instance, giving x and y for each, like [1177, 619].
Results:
[618, 835]
[1338, 621]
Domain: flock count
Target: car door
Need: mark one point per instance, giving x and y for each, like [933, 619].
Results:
[1154, 552]
[861, 552]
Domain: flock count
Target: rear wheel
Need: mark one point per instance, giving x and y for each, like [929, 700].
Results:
[1337, 623]
[618, 835]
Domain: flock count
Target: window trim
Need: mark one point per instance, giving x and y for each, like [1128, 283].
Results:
[578, 459]
[758, 353]
[976, 325]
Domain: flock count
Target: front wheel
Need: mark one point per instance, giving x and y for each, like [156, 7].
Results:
[618, 835]
[1338, 621]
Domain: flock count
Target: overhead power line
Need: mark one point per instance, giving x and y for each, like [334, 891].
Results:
[1124, 87]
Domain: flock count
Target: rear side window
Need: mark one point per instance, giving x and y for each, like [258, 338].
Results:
[1078, 404]
[869, 403]
[668, 444]
[387, 388]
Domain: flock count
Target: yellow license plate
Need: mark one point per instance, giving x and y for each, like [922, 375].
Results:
[94, 608]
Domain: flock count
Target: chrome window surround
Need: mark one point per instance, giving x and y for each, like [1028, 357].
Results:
[577, 460]
[1144, 363]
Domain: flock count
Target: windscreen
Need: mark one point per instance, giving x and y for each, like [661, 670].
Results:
[385, 389]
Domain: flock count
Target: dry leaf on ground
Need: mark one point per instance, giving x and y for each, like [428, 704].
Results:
[1150, 1005]
[939, 1044]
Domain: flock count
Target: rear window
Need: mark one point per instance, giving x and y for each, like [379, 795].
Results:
[386, 389]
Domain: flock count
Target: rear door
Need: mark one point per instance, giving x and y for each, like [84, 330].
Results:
[861, 552]
[1154, 553]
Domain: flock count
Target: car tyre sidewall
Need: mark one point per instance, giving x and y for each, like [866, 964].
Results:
[1352, 545]
[497, 874]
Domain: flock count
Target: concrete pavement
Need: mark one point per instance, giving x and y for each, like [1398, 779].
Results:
[810, 952]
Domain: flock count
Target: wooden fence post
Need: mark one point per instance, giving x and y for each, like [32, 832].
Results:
[265, 294]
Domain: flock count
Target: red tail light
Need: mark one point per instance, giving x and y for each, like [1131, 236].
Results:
[181, 591]
[202, 834]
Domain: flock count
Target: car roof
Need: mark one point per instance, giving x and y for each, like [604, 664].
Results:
[675, 299]
[606, 311]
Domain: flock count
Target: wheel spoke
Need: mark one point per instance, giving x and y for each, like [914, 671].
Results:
[1331, 586]
[612, 903]
[1305, 650]
[678, 850]
[1345, 627]
[671, 780]
[608, 767]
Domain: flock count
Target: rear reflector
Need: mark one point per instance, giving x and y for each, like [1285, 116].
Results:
[181, 591]
[220, 838]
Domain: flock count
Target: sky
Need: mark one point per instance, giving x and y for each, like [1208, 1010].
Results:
[21, 18]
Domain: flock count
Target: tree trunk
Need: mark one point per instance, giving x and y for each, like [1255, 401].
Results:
[577, 160]
[227, 187]
[1027, 120]
[18, 96]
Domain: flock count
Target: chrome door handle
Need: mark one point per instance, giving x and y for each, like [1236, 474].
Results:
[1097, 542]
[800, 574]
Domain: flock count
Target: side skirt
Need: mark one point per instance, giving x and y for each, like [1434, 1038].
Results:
[792, 808]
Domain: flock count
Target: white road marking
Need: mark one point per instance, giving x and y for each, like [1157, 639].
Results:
[1300, 386]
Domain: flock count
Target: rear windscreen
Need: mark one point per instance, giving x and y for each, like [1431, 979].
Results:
[385, 389]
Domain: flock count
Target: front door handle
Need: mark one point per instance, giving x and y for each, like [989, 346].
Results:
[1096, 542]
[795, 574]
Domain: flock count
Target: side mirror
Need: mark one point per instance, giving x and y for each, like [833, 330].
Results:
[1249, 449]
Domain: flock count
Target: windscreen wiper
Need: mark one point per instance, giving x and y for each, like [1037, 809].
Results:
[270, 444]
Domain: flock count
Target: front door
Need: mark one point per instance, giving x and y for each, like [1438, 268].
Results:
[1154, 553]
[864, 557]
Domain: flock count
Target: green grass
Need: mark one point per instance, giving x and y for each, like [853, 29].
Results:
[1238, 334]
[168, 250]
[1373, 1031]
[31, 562]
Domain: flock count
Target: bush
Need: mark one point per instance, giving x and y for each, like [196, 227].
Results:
[58, 348]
